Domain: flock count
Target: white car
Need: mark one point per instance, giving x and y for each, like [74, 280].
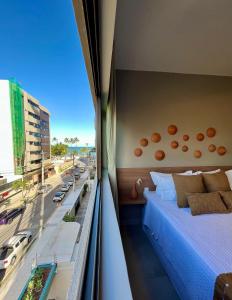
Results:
[65, 188]
[59, 196]
[70, 182]
[14, 248]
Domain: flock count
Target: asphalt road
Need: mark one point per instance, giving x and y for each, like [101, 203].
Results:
[34, 216]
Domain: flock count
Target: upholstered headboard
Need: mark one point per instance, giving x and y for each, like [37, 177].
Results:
[126, 177]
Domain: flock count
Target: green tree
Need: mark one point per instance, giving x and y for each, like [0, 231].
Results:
[84, 151]
[59, 149]
[24, 186]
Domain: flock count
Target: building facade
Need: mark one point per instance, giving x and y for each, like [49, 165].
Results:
[24, 133]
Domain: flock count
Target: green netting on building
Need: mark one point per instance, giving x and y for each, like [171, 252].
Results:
[17, 118]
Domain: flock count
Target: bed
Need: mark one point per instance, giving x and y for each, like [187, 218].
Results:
[193, 250]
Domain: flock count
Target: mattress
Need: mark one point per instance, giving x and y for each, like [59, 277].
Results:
[194, 249]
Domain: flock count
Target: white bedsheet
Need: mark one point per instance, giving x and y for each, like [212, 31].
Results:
[198, 248]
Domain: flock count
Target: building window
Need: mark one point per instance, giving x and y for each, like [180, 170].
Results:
[34, 115]
[33, 103]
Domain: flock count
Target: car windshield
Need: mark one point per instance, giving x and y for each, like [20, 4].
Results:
[5, 252]
[58, 194]
[12, 211]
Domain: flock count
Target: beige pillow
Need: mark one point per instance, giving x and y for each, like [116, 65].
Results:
[216, 182]
[227, 199]
[206, 203]
[187, 184]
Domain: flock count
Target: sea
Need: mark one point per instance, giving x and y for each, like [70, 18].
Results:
[78, 149]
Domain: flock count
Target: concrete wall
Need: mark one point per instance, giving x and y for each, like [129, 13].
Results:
[148, 102]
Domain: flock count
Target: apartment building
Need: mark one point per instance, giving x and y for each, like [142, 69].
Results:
[24, 133]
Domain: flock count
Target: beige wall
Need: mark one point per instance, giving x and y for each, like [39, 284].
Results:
[148, 102]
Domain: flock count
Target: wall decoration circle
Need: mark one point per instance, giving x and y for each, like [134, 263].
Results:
[211, 132]
[159, 155]
[138, 152]
[197, 154]
[174, 144]
[143, 142]
[200, 137]
[172, 129]
[221, 150]
[185, 148]
[212, 148]
[185, 137]
[156, 137]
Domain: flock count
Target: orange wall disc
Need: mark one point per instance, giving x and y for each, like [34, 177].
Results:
[172, 129]
[211, 132]
[197, 154]
[221, 150]
[185, 148]
[138, 152]
[143, 142]
[156, 137]
[174, 144]
[200, 137]
[212, 148]
[159, 155]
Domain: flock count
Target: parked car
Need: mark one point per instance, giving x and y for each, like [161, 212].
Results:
[7, 216]
[59, 196]
[70, 182]
[65, 188]
[13, 248]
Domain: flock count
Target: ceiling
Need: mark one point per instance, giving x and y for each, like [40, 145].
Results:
[181, 36]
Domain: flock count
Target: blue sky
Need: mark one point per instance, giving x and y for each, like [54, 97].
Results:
[40, 48]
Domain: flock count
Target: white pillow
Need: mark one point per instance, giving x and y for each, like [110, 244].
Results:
[229, 176]
[165, 187]
[209, 172]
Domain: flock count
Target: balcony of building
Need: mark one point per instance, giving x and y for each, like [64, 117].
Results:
[30, 137]
[33, 147]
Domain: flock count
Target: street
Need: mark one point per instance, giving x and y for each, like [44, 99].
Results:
[35, 215]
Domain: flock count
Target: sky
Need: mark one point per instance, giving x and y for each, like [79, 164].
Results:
[40, 48]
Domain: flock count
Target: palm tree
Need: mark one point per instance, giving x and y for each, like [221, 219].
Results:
[66, 140]
[76, 140]
[55, 140]
[74, 153]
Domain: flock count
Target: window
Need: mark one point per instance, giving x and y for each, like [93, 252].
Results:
[17, 245]
[36, 134]
[33, 103]
[22, 239]
[34, 115]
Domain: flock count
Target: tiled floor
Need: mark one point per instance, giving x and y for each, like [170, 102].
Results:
[147, 277]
